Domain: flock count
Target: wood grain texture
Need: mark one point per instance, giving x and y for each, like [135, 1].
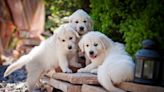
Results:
[63, 86]
[77, 78]
[91, 88]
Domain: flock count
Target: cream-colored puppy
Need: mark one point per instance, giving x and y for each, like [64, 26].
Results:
[82, 21]
[110, 58]
[58, 50]
[83, 24]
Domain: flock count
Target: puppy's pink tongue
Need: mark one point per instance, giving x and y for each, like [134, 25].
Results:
[93, 56]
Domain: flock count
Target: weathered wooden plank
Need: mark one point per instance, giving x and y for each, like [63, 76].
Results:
[77, 78]
[85, 78]
[134, 87]
[63, 86]
[91, 88]
[128, 86]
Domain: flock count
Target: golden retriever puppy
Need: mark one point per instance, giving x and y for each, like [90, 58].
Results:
[82, 21]
[109, 60]
[58, 50]
[83, 24]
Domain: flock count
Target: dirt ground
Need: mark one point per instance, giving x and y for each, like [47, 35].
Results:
[13, 87]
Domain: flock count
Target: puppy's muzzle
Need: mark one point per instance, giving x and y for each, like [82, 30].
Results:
[81, 28]
[92, 55]
[91, 52]
[69, 47]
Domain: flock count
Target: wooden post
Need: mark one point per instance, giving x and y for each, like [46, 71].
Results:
[1, 51]
[29, 18]
[6, 25]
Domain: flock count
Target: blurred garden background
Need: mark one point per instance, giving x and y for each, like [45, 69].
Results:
[127, 21]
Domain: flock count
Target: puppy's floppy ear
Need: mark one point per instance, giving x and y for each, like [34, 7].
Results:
[74, 28]
[105, 41]
[59, 31]
[77, 35]
[65, 19]
[90, 23]
[81, 45]
[70, 18]
[55, 33]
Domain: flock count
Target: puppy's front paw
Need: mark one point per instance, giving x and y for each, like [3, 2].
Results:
[82, 70]
[67, 70]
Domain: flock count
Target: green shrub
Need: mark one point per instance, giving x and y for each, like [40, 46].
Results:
[57, 9]
[130, 21]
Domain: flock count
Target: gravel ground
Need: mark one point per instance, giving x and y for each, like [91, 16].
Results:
[14, 82]
[13, 87]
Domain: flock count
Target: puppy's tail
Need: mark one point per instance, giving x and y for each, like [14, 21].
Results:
[105, 80]
[17, 65]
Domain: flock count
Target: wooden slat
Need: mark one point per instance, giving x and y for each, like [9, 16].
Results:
[77, 78]
[91, 88]
[63, 86]
[85, 78]
[133, 87]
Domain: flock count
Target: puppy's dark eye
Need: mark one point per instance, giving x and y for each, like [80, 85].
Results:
[70, 38]
[87, 45]
[76, 22]
[95, 44]
[63, 40]
[84, 21]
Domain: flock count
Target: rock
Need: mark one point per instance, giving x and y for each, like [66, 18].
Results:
[17, 76]
[2, 70]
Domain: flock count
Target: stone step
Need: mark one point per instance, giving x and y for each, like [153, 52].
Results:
[77, 78]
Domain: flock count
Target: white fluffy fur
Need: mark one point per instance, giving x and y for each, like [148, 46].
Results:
[51, 53]
[110, 58]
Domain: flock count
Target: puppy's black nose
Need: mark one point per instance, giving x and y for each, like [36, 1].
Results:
[91, 52]
[69, 47]
[81, 28]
